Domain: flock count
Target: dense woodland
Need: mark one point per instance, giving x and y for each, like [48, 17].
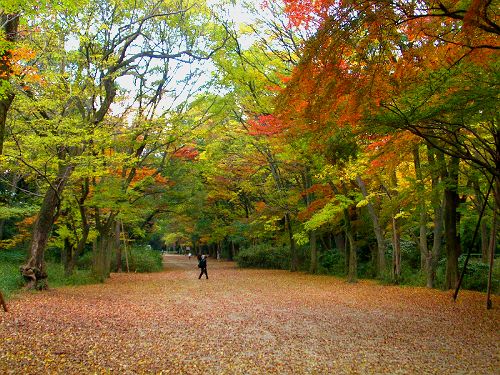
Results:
[358, 138]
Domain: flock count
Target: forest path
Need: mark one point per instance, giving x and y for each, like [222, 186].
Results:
[247, 322]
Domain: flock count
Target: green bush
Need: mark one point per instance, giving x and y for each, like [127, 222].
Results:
[332, 263]
[56, 277]
[10, 278]
[84, 262]
[476, 275]
[264, 256]
[143, 259]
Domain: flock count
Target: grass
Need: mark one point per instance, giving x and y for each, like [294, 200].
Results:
[11, 280]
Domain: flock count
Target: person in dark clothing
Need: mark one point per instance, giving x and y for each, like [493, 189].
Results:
[202, 264]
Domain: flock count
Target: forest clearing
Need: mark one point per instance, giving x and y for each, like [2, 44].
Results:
[247, 321]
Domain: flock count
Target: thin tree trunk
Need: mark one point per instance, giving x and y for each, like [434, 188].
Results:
[314, 253]
[233, 250]
[118, 247]
[493, 244]
[422, 210]
[396, 251]
[66, 255]
[483, 227]
[451, 202]
[352, 274]
[377, 229]
[294, 264]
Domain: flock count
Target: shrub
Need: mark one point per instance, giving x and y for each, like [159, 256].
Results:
[56, 277]
[332, 263]
[264, 256]
[84, 262]
[10, 278]
[476, 275]
[143, 259]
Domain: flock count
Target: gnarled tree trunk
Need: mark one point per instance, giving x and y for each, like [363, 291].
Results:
[34, 271]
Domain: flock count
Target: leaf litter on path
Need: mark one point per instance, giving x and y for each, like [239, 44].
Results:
[247, 322]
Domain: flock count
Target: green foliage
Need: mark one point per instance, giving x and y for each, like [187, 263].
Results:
[143, 259]
[79, 277]
[10, 278]
[264, 256]
[476, 276]
[332, 263]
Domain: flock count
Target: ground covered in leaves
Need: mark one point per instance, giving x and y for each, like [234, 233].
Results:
[247, 322]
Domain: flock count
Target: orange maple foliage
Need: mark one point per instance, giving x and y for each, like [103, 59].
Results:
[186, 153]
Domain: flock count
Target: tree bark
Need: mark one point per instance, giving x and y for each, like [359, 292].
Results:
[294, 264]
[118, 247]
[422, 211]
[396, 251]
[493, 244]
[483, 227]
[352, 274]
[2, 301]
[377, 229]
[451, 202]
[437, 204]
[34, 271]
[314, 253]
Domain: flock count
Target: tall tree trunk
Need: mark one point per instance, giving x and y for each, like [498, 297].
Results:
[422, 211]
[85, 230]
[66, 255]
[233, 250]
[396, 236]
[103, 245]
[437, 205]
[377, 229]
[34, 271]
[118, 248]
[396, 250]
[352, 274]
[451, 202]
[493, 243]
[314, 252]
[483, 227]
[294, 264]
[10, 24]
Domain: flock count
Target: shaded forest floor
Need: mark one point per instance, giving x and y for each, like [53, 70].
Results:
[247, 322]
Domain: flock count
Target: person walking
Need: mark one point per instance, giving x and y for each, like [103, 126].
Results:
[202, 264]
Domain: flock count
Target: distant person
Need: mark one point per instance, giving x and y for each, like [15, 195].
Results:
[189, 255]
[202, 264]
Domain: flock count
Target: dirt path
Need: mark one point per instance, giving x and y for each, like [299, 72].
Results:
[247, 322]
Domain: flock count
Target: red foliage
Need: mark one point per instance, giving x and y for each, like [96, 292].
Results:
[186, 153]
[265, 125]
